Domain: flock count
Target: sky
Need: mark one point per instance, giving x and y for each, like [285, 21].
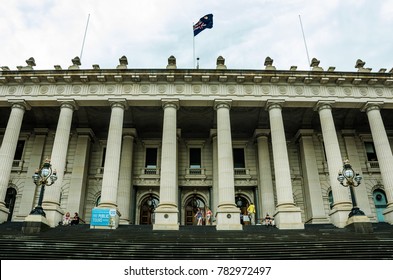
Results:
[148, 32]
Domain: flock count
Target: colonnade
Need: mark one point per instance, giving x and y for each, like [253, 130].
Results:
[117, 178]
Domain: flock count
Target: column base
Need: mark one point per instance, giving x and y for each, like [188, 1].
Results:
[318, 220]
[3, 213]
[166, 218]
[359, 224]
[288, 218]
[228, 218]
[388, 214]
[54, 214]
[339, 215]
[35, 224]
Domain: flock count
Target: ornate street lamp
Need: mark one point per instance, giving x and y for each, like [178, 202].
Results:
[44, 176]
[151, 203]
[352, 180]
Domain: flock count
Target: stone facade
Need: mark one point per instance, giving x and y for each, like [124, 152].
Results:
[156, 144]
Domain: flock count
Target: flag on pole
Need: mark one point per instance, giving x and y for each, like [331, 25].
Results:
[203, 23]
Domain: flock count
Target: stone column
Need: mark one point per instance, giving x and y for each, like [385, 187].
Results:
[166, 214]
[30, 189]
[341, 203]
[110, 178]
[287, 215]
[125, 177]
[353, 156]
[384, 154]
[213, 135]
[228, 215]
[315, 210]
[77, 189]
[7, 151]
[266, 191]
[51, 202]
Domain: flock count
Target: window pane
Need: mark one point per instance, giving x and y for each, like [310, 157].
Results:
[151, 157]
[195, 158]
[238, 158]
[19, 150]
[370, 150]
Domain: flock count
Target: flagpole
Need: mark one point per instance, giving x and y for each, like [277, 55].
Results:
[193, 45]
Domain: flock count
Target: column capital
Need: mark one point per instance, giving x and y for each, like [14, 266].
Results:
[129, 132]
[274, 104]
[222, 103]
[170, 102]
[213, 133]
[86, 131]
[118, 102]
[68, 103]
[260, 132]
[304, 133]
[369, 106]
[326, 104]
[19, 103]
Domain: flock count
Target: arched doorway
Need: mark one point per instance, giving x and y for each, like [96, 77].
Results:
[10, 198]
[192, 205]
[148, 206]
[242, 203]
[380, 203]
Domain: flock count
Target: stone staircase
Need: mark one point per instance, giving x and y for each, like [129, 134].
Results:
[196, 242]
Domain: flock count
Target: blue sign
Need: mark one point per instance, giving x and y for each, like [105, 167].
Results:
[102, 217]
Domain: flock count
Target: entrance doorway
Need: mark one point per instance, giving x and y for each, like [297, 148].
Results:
[148, 206]
[10, 198]
[192, 206]
[242, 203]
[380, 203]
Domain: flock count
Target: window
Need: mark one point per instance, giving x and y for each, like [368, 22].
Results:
[19, 150]
[370, 151]
[151, 158]
[103, 157]
[195, 158]
[238, 158]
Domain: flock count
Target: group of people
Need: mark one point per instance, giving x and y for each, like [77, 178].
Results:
[200, 217]
[268, 220]
[68, 220]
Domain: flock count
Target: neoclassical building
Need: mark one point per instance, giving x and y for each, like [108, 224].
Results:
[157, 144]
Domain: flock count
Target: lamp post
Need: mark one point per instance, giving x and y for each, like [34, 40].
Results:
[352, 180]
[43, 177]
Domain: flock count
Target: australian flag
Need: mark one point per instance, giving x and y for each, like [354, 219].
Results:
[203, 23]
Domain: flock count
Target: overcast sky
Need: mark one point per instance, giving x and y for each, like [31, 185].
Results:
[147, 32]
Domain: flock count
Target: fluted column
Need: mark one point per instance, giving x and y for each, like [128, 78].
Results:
[7, 151]
[166, 214]
[213, 135]
[228, 215]
[342, 205]
[265, 185]
[110, 178]
[315, 210]
[79, 176]
[125, 177]
[384, 154]
[287, 215]
[51, 202]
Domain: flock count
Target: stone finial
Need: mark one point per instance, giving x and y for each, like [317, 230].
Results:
[31, 62]
[360, 66]
[221, 63]
[171, 63]
[96, 66]
[123, 62]
[269, 64]
[5, 68]
[76, 62]
[315, 65]
[57, 67]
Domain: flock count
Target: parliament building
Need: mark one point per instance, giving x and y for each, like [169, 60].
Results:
[154, 145]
